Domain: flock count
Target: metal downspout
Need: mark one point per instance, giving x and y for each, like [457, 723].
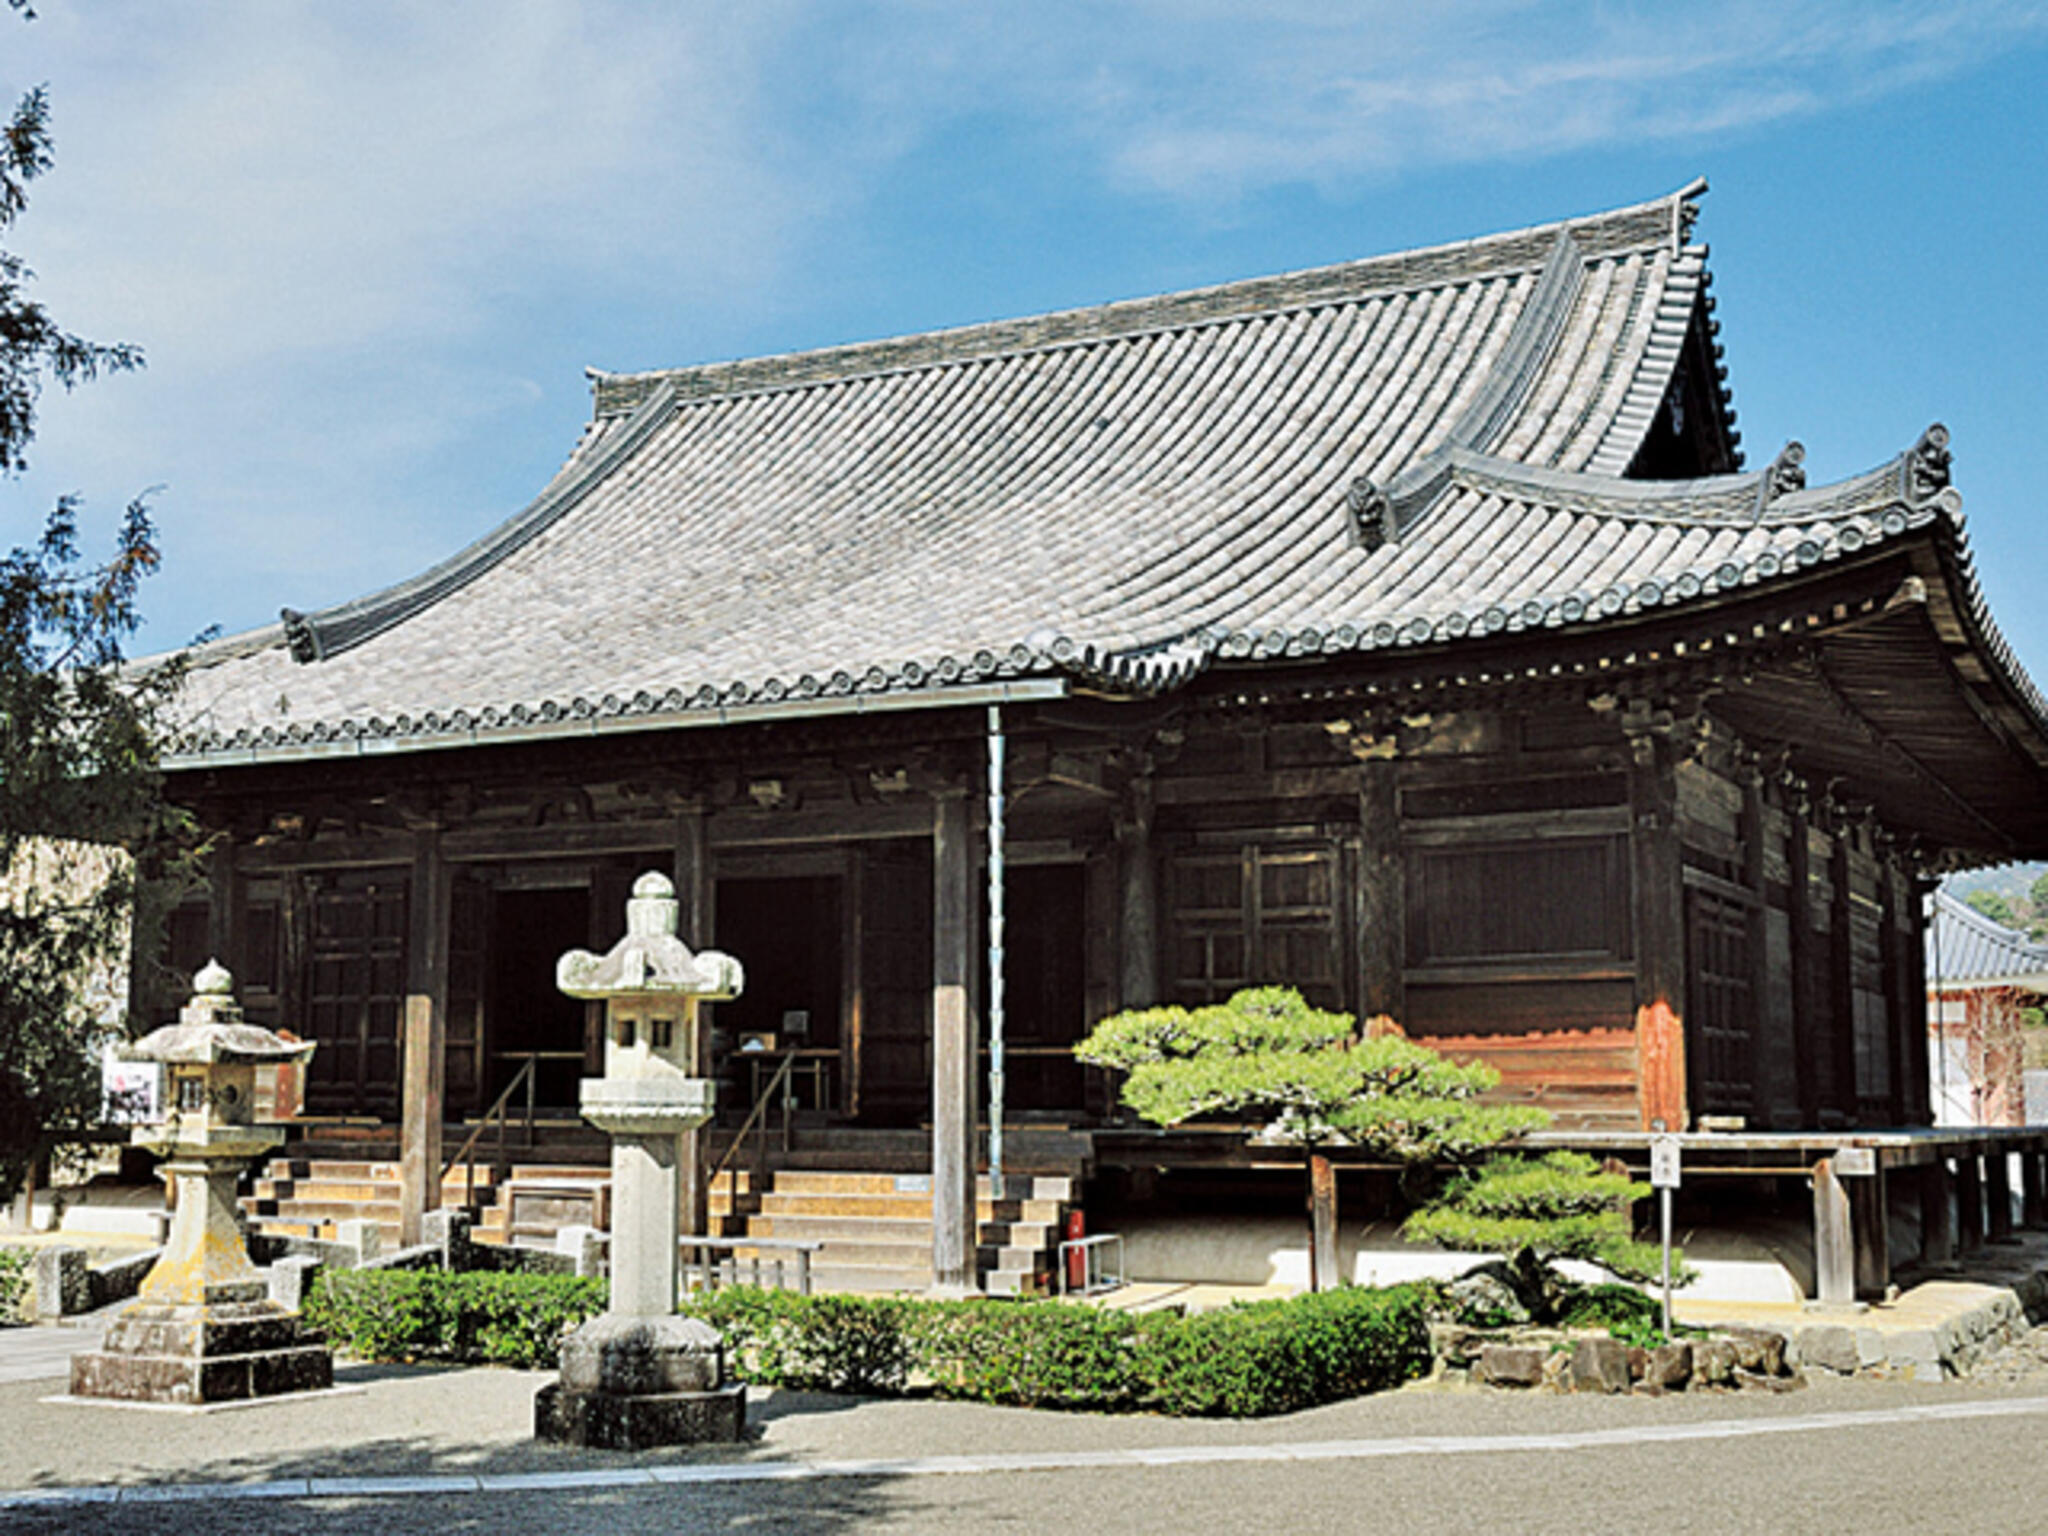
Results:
[995, 951]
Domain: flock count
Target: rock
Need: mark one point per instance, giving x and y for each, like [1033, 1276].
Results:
[63, 1283]
[1757, 1381]
[1511, 1365]
[1759, 1349]
[1713, 1362]
[1668, 1367]
[1599, 1365]
[291, 1281]
[1484, 1298]
[1829, 1346]
[1638, 1362]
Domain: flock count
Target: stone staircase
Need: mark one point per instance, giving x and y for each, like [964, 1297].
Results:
[876, 1228]
[308, 1197]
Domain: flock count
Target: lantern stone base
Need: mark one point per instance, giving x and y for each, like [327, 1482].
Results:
[634, 1383]
[224, 1351]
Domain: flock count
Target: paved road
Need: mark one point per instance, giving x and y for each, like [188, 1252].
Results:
[1846, 1455]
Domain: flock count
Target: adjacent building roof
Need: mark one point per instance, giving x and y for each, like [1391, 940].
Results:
[1403, 451]
[1966, 949]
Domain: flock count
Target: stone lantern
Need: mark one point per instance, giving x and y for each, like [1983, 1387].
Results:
[641, 1376]
[203, 1327]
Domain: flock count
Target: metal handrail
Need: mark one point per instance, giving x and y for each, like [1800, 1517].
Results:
[696, 1263]
[779, 1081]
[497, 1110]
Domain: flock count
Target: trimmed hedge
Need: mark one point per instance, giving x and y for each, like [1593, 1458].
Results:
[1241, 1361]
[424, 1314]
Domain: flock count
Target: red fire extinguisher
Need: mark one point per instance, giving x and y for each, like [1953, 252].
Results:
[1077, 1258]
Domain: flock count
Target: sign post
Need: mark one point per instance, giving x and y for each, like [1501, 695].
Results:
[1664, 1179]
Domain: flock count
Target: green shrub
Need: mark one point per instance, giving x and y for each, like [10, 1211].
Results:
[1280, 1356]
[14, 1286]
[826, 1343]
[505, 1319]
[1042, 1354]
[1269, 1357]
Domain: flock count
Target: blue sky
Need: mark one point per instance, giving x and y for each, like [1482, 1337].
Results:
[370, 248]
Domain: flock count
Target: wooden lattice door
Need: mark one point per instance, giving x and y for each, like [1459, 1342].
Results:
[355, 993]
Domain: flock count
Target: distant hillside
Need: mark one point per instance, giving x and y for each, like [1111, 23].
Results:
[2012, 881]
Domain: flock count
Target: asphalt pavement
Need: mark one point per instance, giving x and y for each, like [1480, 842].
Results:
[443, 1450]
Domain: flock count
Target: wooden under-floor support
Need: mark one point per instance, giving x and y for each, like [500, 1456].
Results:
[2033, 1188]
[1969, 1202]
[423, 1062]
[1998, 1193]
[1937, 1219]
[1868, 1199]
[1834, 1249]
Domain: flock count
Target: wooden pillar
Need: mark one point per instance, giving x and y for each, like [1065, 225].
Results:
[1834, 1248]
[1806, 1026]
[1137, 899]
[1969, 1202]
[1382, 896]
[1754, 826]
[954, 1270]
[1871, 1225]
[1937, 1219]
[426, 1028]
[694, 928]
[1325, 1273]
[2033, 1189]
[1842, 982]
[224, 903]
[1917, 1097]
[1998, 1191]
[1660, 930]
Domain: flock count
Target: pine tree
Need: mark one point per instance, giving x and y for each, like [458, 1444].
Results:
[78, 729]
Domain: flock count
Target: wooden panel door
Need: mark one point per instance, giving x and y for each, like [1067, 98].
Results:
[469, 923]
[355, 993]
[894, 1029]
[1255, 915]
[1720, 995]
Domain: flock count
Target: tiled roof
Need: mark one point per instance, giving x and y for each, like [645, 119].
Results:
[1967, 949]
[1410, 448]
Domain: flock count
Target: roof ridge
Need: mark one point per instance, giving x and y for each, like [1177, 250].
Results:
[1660, 221]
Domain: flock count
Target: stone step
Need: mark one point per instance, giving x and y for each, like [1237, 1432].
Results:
[871, 1279]
[821, 1181]
[325, 1210]
[900, 1207]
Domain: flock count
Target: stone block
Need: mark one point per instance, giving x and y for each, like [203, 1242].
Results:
[448, 1230]
[1828, 1346]
[291, 1281]
[1713, 1362]
[1667, 1368]
[1511, 1365]
[63, 1283]
[122, 1278]
[361, 1236]
[639, 1423]
[627, 1356]
[1758, 1349]
[1757, 1381]
[1600, 1365]
[583, 1247]
[1916, 1353]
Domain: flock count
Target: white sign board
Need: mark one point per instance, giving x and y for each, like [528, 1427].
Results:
[1664, 1162]
[131, 1092]
[1855, 1163]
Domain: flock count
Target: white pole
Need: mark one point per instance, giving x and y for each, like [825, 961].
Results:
[1664, 1216]
[995, 951]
